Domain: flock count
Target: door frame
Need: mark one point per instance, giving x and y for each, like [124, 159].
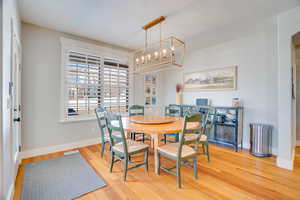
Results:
[15, 108]
[1, 103]
[288, 24]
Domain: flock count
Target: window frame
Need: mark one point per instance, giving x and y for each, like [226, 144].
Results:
[68, 45]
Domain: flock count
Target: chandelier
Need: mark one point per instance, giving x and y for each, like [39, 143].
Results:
[162, 55]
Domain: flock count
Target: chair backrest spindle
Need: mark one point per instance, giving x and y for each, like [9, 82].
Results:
[136, 110]
[101, 121]
[115, 125]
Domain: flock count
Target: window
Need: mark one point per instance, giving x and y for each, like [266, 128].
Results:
[92, 81]
[115, 86]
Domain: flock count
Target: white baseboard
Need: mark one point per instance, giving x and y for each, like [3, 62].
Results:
[247, 146]
[10, 194]
[11, 190]
[297, 142]
[58, 148]
[285, 163]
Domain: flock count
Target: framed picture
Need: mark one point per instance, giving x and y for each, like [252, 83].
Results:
[150, 90]
[216, 79]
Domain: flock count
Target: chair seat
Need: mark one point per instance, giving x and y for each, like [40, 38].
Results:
[132, 146]
[192, 137]
[171, 149]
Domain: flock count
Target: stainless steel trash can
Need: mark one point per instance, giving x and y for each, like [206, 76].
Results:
[260, 140]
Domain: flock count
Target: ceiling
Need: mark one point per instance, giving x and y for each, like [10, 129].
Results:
[119, 22]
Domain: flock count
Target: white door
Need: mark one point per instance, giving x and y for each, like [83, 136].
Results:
[16, 98]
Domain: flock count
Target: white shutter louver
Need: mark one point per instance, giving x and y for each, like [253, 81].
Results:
[115, 86]
[91, 82]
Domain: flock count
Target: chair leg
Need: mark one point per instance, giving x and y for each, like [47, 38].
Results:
[102, 149]
[195, 167]
[112, 161]
[196, 146]
[146, 160]
[143, 138]
[203, 148]
[177, 138]
[207, 152]
[158, 163]
[165, 138]
[125, 168]
[178, 173]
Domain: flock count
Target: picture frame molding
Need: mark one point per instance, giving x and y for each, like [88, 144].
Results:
[235, 67]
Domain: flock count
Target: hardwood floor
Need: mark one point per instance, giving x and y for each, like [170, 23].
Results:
[229, 175]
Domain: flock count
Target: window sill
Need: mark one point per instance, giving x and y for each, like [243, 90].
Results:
[77, 120]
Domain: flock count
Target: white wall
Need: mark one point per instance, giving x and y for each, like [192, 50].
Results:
[1, 67]
[255, 54]
[41, 92]
[288, 25]
[8, 169]
[298, 95]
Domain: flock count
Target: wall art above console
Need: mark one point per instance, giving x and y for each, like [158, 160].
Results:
[214, 79]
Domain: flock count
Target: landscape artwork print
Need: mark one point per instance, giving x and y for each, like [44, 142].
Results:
[215, 79]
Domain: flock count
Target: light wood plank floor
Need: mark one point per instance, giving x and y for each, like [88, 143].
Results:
[229, 175]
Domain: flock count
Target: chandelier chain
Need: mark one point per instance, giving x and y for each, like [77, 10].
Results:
[160, 34]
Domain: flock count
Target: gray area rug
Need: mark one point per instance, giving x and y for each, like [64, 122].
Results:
[61, 178]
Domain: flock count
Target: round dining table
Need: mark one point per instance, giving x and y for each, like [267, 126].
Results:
[155, 127]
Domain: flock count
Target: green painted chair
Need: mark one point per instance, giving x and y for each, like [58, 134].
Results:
[201, 137]
[180, 152]
[103, 129]
[186, 109]
[126, 148]
[133, 111]
[175, 111]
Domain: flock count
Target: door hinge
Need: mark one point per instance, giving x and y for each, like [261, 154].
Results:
[20, 148]
[10, 86]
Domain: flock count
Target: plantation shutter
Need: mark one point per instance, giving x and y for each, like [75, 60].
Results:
[115, 86]
[91, 82]
[83, 81]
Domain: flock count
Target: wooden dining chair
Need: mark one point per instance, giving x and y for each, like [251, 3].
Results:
[203, 140]
[174, 111]
[101, 114]
[180, 152]
[135, 110]
[186, 109]
[126, 148]
[200, 138]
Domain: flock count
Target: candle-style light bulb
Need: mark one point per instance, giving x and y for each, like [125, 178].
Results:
[149, 57]
[172, 50]
[143, 59]
[164, 52]
[137, 60]
[156, 55]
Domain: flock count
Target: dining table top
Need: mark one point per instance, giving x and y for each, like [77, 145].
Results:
[155, 125]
